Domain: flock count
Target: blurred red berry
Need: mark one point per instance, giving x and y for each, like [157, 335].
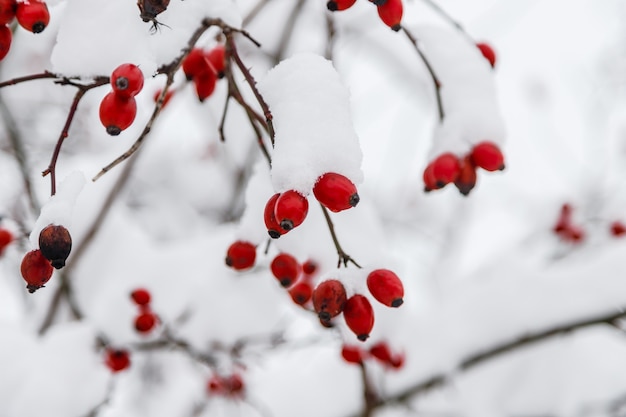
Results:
[36, 270]
[359, 316]
[6, 37]
[381, 352]
[488, 53]
[140, 296]
[446, 169]
[618, 229]
[32, 15]
[145, 321]
[466, 181]
[196, 64]
[335, 192]
[352, 354]
[291, 209]
[329, 298]
[6, 237]
[309, 267]
[205, 85]
[301, 292]
[487, 155]
[386, 287]
[430, 182]
[7, 11]
[285, 268]
[166, 99]
[217, 60]
[117, 359]
[338, 5]
[241, 255]
[390, 12]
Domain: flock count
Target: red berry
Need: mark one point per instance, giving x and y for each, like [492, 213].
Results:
[196, 64]
[565, 219]
[573, 234]
[205, 85]
[32, 15]
[335, 192]
[329, 298]
[618, 229]
[166, 99]
[36, 270]
[309, 267]
[390, 12]
[285, 268]
[117, 112]
[301, 292]
[215, 385]
[338, 5]
[381, 352]
[117, 359]
[430, 182]
[7, 11]
[140, 296]
[359, 316]
[6, 237]
[6, 37]
[127, 80]
[386, 287]
[145, 321]
[273, 227]
[446, 168]
[488, 156]
[55, 244]
[488, 53]
[234, 384]
[352, 354]
[466, 181]
[241, 255]
[217, 60]
[291, 209]
[397, 361]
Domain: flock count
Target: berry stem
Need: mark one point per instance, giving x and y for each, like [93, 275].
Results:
[343, 256]
[369, 394]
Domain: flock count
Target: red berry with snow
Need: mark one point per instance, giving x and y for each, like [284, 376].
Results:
[127, 80]
[487, 155]
[446, 168]
[36, 270]
[301, 292]
[386, 287]
[336, 192]
[117, 359]
[7, 11]
[145, 321]
[117, 112]
[352, 354]
[390, 12]
[488, 53]
[32, 15]
[291, 209]
[273, 227]
[339, 5]
[241, 255]
[55, 244]
[6, 237]
[285, 268]
[359, 316]
[140, 296]
[329, 298]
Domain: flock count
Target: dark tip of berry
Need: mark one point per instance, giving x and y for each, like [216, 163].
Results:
[363, 337]
[285, 282]
[286, 224]
[228, 261]
[221, 74]
[332, 6]
[396, 27]
[38, 27]
[273, 234]
[121, 83]
[324, 315]
[300, 299]
[501, 168]
[379, 2]
[57, 263]
[397, 302]
[189, 77]
[113, 130]
[427, 189]
[32, 288]
[354, 200]
[440, 184]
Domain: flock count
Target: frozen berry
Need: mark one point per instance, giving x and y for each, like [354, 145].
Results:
[55, 244]
[336, 192]
[291, 209]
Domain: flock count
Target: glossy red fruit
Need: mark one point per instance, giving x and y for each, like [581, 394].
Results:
[338, 5]
[217, 60]
[390, 12]
[36, 270]
[117, 113]
[32, 15]
[336, 192]
[6, 37]
[196, 64]
[145, 321]
[291, 209]
[309, 267]
[359, 316]
[386, 287]
[241, 255]
[55, 244]
[487, 155]
[6, 237]
[301, 292]
[352, 354]
[140, 296]
[205, 85]
[273, 227]
[488, 53]
[446, 168]
[329, 298]
[117, 359]
[381, 352]
[466, 181]
[127, 80]
[7, 11]
[285, 268]
[618, 229]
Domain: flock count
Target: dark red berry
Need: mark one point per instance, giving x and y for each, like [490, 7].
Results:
[466, 180]
[291, 209]
[564, 221]
[145, 321]
[309, 267]
[217, 60]
[234, 384]
[215, 385]
[359, 316]
[390, 12]
[336, 192]
[386, 287]
[205, 85]
[32, 15]
[618, 229]
[140, 296]
[117, 359]
[487, 155]
[381, 352]
[329, 298]
[6, 237]
[127, 80]
[36, 270]
[7, 11]
[273, 227]
[352, 354]
[301, 292]
[166, 99]
[446, 168]
[430, 182]
[339, 5]
[196, 64]
[6, 37]
[117, 112]
[285, 268]
[55, 244]
[241, 255]
[488, 53]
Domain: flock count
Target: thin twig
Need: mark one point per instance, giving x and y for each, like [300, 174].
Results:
[343, 256]
[32, 77]
[254, 12]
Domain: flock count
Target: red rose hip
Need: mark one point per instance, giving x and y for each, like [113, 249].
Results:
[241, 255]
[352, 354]
[140, 296]
[329, 298]
[273, 227]
[117, 112]
[32, 15]
[145, 322]
[487, 155]
[6, 237]
[286, 269]
[7, 11]
[301, 292]
[6, 37]
[359, 316]
[386, 287]
[127, 80]
[390, 12]
[488, 53]
[336, 192]
[36, 270]
[117, 359]
[55, 244]
[291, 209]
[338, 5]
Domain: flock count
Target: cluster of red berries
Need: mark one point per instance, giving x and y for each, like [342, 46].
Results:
[55, 245]
[32, 15]
[296, 277]
[119, 108]
[117, 359]
[389, 11]
[204, 68]
[226, 385]
[287, 210]
[488, 53]
[330, 300]
[146, 319]
[448, 168]
[6, 237]
[379, 351]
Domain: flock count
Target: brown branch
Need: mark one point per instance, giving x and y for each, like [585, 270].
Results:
[254, 12]
[370, 398]
[32, 77]
[343, 256]
[430, 69]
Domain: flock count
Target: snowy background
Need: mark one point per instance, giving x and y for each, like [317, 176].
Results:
[479, 271]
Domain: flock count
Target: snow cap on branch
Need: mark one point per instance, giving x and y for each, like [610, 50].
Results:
[314, 131]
